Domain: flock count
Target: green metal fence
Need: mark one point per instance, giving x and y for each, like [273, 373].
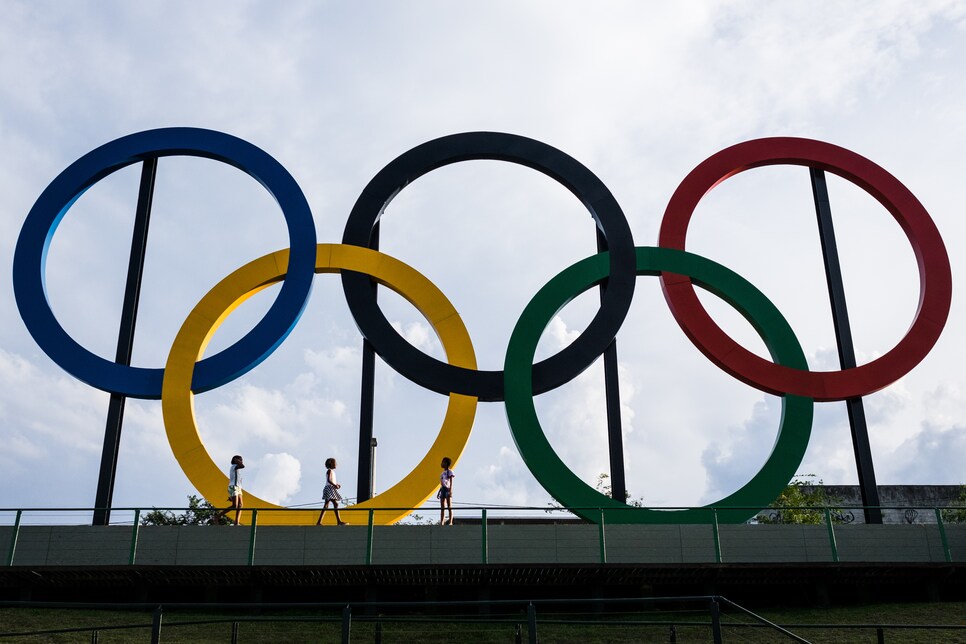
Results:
[481, 514]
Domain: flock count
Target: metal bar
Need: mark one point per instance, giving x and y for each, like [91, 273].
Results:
[531, 623]
[369, 540]
[942, 535]
[13, 538]
[251, 538]
[125, 343]
[346, 623]
[134, 537]
[831, 535]
[612, 397]
[716, 535]
[601, 538]
[843, 337]
[484, 545]
[364, 474]
[156, 626]
[715, 611]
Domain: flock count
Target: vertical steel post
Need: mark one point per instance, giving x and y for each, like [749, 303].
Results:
[484, 545]
[369, 539]
[366, 404]
[134, 537]
[346, 623]
[715, 611]
[156, 626]
[716, 535]
[831, 535]
[612, 396]
[532, 623]
[939, 522]
[14, 536]
[601, 538]
[843, 337]
[251, 538]
[125, 344]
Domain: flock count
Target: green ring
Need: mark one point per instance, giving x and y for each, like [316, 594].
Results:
[571, 491]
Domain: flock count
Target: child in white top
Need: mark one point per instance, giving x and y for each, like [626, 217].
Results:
[234, 489]
[445, 494]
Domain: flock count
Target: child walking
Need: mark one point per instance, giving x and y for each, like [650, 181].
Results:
[330, 493]
[234, 489]
[445, 494]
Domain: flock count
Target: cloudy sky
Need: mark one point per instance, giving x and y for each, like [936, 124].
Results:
[638, 92]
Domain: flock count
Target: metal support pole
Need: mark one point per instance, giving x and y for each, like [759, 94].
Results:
[939, 522]
[485, 545]
[612, 396]
[125, 344]
[831, 536]
[156, 626]
[601, 538]
[715, 611]
[134, 537]
[369, 539]
[16, 534]
[373, 444]
[532, 623]
[346, 623]
[843, 337]
[252, 533]
[716, 535]
[366, 404]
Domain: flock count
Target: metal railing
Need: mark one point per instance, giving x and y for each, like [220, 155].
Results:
[483, 517]
[644, 618]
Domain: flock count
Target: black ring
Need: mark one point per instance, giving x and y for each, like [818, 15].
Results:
[444, 378]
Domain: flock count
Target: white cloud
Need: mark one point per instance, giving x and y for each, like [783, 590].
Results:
[278, 477]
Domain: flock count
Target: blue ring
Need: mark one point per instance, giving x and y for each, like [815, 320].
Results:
[30, 259]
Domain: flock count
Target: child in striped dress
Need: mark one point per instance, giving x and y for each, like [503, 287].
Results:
[330, 493]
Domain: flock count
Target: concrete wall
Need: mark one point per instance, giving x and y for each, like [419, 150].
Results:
[463, 544]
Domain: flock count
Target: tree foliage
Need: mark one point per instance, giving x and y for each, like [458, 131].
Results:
[803, 501]
[199, 512]
[603, 486]
[957, 514]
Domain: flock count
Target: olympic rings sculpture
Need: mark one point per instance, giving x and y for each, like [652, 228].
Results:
[186, 373]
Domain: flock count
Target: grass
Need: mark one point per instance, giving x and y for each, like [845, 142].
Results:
[651, 626]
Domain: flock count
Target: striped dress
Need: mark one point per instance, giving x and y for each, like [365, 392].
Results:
[330, 492]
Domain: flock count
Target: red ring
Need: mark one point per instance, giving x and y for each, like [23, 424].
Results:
[935, 277]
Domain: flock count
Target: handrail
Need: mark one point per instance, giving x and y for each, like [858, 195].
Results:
[484, 520]
[367, 610]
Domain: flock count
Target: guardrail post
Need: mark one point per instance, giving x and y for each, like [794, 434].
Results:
[369, 540]
[942, 535]
[483, 524]
[601, 538]
[831, 535]
[13, 538]
[716, 535]
[715, 611]
[347, 621]
[134, 536]
[251, 538]
[156, 626]
[532, 623]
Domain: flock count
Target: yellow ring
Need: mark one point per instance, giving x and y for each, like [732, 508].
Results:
[177, 399]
